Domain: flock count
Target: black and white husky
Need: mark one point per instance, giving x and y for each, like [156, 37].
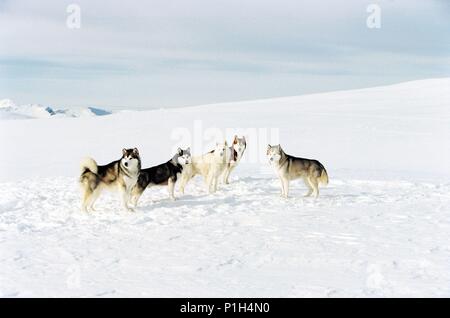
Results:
[163, 174]
[122, 173]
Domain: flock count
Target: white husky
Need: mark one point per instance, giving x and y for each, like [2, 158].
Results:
[237, 151]
[210, 166]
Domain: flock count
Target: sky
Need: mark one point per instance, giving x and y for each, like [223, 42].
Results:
[172, 53]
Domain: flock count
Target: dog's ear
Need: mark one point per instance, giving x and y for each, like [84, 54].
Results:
[180, 151]
[188, 149]
[226, 144]
[268, 146]
[136, 152]
[279, 147]
[235, 140]
[124, 152]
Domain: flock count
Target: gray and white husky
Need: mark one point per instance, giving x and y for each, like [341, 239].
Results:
[164, 174]
[237, 149]
[289, 168]
[122, 174]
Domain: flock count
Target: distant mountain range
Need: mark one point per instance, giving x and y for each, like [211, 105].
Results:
[9, 110]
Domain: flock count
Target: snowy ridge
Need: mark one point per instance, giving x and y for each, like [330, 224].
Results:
[422, 90]
[9, 110]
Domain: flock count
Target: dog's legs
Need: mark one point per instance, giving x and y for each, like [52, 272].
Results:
[314, 183]
[223, 175]
[171, 186]
[85, 197]
[184, 180]
[215, 182]
[230, 170]
[211, 185]
[125, 194]
[226, 175]
[135, 195]
[282, 186]
[85, 200]
[286, 187]
[135, 198]
[91, 193]
[208, 181]
[94, 196]
[308, 185]
[89, 186]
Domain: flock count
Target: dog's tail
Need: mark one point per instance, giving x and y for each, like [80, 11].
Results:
[323, 176]
[88, 165]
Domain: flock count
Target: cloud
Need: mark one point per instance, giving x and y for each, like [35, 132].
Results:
[179, 47]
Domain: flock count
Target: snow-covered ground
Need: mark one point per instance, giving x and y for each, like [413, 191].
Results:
[381, 227]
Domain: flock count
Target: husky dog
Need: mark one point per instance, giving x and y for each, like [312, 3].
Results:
[237, 151]
[122, 173]
[210, 165]
[163, 174]
[289, 168]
